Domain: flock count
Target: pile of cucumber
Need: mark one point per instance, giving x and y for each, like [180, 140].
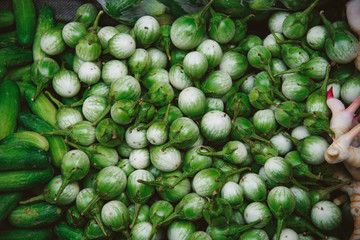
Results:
[179, 128]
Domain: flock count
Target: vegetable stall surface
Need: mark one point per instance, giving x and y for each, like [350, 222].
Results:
[185, 119]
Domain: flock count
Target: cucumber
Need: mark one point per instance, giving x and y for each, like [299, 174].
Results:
[35, 215]
[28, 138]
[58, 147]
[8, 39]
[9, 107]
[17, 74]
[15, 56]
[65, 232]
[42, 107]
[8, 202]
[6, 18]
[22, 87]
[26, 234]
[22, 157]
[3, 72]
[45, 22]
[25, 179]
[25, 19]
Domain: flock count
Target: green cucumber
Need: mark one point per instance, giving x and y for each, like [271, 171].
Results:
[22, 87]
[25, 19]
[26, 234]
[35, 215]
[25, 179]
[22, 157]
[9, 107]
[17, 74]
[6, 18]
[8, 39]
[65, 232]
[28, 138]
[58, 147]
[15, 56]
[3, 72]
[8, 202]
[42, 106]
[45, 22]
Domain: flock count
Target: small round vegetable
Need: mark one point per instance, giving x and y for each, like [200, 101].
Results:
[140, 158]
[195, 64]
[254, 234]
[221, 27]
[89, 73]
[281, 202]
[217, 84]
[105, 34]
[215, 125]
[158, 58]
[155, 75]
[73, 32]
[146, 30]
[125, 88]
[75, 166]
[254, 187]
[136, 138]
[140, 62]
[115, 215]
[89, 48]
[192, 102]
[233, 193]
[180, 228]
[257, 211]
[179, 78]
[276, 21]
[312, 149]
[86, 13]
[112, 70]
[52, 42]
[214, 104]
[287, 233]
[212, 51]
[122, 46]
[326, 215]
[316, 37]
[66, 83]
[235, 64]
[93, 107]
[187, 32]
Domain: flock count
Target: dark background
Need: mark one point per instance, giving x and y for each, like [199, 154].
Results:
[65, 11]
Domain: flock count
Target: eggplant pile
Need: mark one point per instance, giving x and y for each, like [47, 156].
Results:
[179, 128]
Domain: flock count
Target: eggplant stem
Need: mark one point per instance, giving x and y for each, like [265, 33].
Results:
[280, 222]
[211, 154]
[204, 10]
[173, 216]
[91, 203]
[64, 183]
[96, 23]
[101, 225]
[232, 172]
[33, 199]
[325, 191]
[291, 70]
[179, 179]
[296, 183]
[326, 80]
[136, 213]
[238, 83]
[103, 114]
[309, 9]
[52, 98]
